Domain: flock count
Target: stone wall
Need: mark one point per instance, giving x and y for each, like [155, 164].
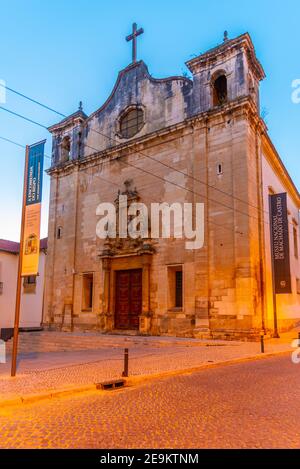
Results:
[220, 280]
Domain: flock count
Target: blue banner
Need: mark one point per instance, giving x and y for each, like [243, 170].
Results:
[35, 173]
[32, 222]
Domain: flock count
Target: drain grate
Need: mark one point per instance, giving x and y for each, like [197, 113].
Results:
[110, 385]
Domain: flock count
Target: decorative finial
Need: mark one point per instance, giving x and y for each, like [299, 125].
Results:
[225, 36]
[80, 108]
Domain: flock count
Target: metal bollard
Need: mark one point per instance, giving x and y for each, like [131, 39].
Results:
[2, 351]
[126, 355]
[262, 344]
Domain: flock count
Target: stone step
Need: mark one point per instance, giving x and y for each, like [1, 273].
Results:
[53, 341]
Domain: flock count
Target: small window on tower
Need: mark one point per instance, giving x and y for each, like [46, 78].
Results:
[220, 91]
[59, 232]
[219, 169]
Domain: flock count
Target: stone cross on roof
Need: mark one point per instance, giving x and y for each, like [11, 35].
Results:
[132, 37]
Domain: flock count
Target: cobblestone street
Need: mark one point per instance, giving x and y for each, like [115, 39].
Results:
[50, 362]
[253, 404]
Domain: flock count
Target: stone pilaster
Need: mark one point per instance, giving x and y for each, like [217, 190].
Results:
[145, 317]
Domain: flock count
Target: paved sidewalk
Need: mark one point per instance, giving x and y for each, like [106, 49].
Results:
[48, 372]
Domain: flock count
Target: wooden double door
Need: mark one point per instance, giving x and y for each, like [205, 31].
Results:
[128, 298]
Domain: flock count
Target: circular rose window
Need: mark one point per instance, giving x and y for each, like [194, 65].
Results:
[131, 122]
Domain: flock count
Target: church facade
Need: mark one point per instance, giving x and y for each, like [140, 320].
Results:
[175, 140]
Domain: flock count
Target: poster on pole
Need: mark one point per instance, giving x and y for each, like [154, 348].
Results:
[32, 222]
[280, 243]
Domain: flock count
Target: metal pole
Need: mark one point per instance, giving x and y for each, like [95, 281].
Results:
[19, 279]
[262, 344]
[275, 334]
[125, 372]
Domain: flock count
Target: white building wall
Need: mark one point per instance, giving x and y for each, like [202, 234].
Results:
[31, 303]
[288, 305]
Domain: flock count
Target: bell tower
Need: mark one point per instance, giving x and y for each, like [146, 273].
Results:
[226, 73]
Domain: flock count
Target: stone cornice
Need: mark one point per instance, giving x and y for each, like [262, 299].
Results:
[77, 117]
[242, 41]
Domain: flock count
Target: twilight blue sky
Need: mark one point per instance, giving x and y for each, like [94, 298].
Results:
[61, 52]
